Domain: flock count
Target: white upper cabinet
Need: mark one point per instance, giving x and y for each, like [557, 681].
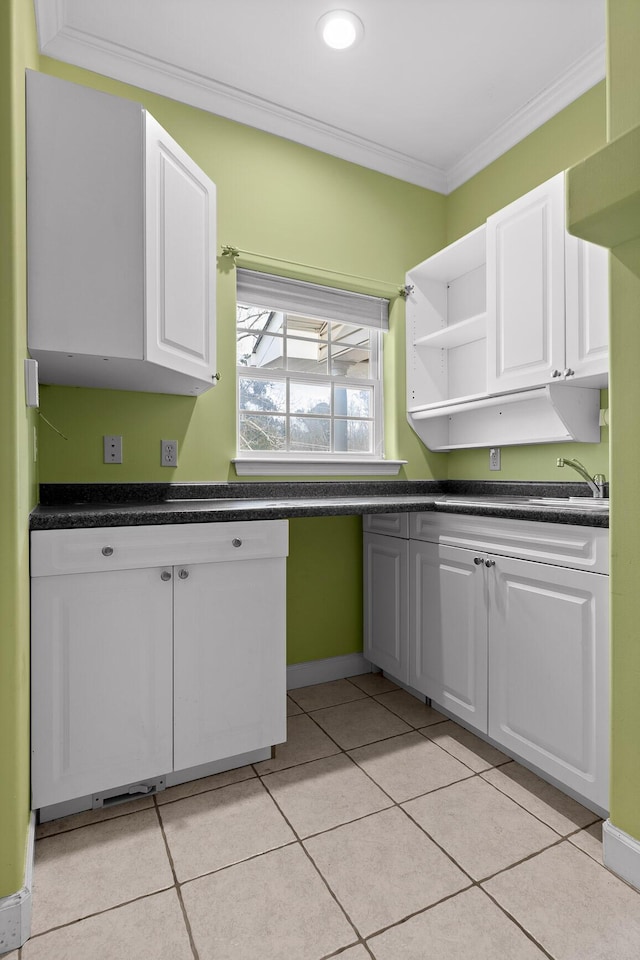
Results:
[500, 323]
[525, 289]
[121, 246]
[547, 296]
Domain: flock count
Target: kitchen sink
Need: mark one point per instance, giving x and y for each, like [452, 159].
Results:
[575, 503]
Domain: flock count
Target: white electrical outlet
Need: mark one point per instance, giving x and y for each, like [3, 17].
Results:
[168, 453]
[112, 448]
[494, 458]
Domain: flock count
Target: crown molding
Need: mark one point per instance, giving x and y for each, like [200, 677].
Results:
[66, 43]
[50, 18]
[579, 78]
[150, 73]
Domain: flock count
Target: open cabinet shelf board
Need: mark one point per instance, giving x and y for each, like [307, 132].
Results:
[466, 331]
[549, 414]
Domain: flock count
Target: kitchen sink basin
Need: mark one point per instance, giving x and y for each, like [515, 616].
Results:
[575, 503]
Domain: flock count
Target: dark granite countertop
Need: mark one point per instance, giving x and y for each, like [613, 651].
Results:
[64, 506]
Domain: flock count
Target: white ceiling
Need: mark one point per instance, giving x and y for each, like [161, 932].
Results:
[435, 91]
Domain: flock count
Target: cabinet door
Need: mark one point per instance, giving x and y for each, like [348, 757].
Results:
[525, 289]
[180, 258]
[386, 603]
[229, 659]
[549, 669]
[101, 667]
[587, 333]
[448, 630]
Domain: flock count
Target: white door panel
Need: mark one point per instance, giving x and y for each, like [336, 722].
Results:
[101, 682]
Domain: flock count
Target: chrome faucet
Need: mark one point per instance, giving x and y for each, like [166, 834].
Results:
[596, 483]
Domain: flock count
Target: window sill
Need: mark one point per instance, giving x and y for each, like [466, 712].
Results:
[272, 467]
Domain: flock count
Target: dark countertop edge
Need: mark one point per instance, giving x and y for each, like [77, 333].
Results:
[93, 515]
[59, 494]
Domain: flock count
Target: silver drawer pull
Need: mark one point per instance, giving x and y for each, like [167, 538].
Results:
[236, 543]
[489, 563]
[165, 575]
[183, 574]
[107, 551]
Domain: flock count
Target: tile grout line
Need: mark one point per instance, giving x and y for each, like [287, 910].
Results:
[177, 888]
[316, 868]
[393, 803]
[473, 882]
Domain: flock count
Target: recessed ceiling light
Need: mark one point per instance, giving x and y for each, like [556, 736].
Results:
[340, 29]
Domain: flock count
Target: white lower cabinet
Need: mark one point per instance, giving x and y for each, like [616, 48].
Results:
[386, 608]
[101, 682]
[448, 630]
[517, 649]
[549, 670]
[154, 649]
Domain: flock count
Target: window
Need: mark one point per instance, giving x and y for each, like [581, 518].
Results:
[309, 370]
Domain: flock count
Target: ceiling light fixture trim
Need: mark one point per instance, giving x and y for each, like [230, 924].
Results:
[340, 29]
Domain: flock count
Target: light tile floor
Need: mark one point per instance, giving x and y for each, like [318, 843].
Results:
[381, 829]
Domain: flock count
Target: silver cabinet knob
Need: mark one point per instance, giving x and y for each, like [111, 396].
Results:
[556, 373]
[165, 575]
[183, 574]
[107, 551]
[477, 561]
[489, 563]
[236, 542]
[569, 372]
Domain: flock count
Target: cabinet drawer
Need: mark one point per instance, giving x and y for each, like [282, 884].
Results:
[565, 545]
[124, 548]
[389, 524]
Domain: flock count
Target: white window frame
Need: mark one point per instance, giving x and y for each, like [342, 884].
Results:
[311, 304]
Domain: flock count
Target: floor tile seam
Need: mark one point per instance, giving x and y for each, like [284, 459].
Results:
[167, 803]
[338, 953]
[99, 913]
[318, 871]
[565, 836]
[300, 763]
[519, 925]
[491, 766]
[183, 908]
[95, 823]
[427, 793]
[328, 706]
[525, 859]
[417, 913]
[237, 863]
[358, 937]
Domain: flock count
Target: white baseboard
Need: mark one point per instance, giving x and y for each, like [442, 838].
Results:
[321, 671]
[621, 853]
[15, 910]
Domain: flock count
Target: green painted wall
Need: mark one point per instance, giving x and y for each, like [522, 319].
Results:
[286, 201]
[571, 135]
[17, 474]
[623, 113]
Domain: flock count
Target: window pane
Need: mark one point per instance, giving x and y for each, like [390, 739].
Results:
[350, 351]
[263, 395]
[307, 327]
[259, 318]
[310, 398]
[310, 434]
[258, 350]
[262, 432]
[306, 356]
[350, 402]
[353, 436]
